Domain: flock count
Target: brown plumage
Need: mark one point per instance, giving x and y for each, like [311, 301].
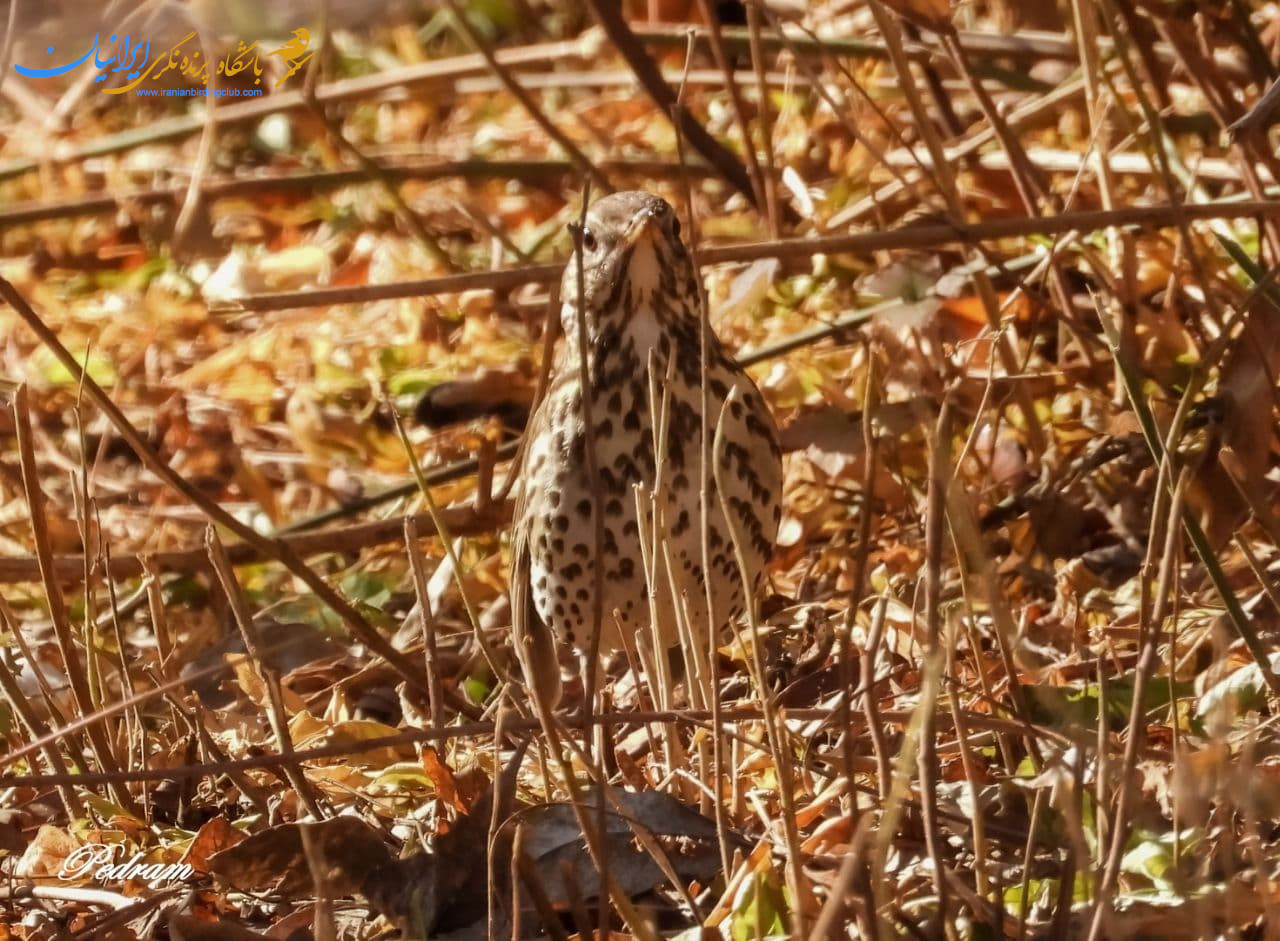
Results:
[642, 323]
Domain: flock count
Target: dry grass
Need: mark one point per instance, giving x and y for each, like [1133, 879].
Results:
[1005, 276]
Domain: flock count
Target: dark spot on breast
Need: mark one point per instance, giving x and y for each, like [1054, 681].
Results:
[757, 427]
[681, 524]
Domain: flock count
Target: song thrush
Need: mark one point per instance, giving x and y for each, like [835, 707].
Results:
[641, 306]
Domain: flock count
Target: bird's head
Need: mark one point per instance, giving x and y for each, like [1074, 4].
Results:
[633, 261]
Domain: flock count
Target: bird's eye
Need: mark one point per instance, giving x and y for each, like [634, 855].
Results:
[588, 240]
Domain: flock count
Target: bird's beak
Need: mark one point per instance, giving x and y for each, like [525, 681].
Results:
[644, 227]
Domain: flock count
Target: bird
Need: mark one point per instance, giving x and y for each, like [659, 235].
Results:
[637, 305]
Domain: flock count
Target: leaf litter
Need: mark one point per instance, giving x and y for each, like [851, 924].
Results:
[1087, 684]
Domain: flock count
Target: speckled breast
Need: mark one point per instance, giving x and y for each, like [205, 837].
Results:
[650, 503]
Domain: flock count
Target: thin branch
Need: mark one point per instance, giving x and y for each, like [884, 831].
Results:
[460, 521]
[1026, 45]
[81, 692]
[609, 13]
[698, 718]
[401, 81]
[393, 167]
[405, 80]
[915, 236]
[277, 716]
[520, 94]
[274, 549]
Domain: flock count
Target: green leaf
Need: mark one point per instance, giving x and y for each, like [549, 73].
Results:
[1151, 857]
[372, 589]
[1040, 892]
[477, 688]
[1077, 707]
[99, 368]
[762, 911]
[1239, 693]
[404, 776]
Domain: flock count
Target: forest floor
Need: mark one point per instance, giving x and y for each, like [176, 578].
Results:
[1004, 276]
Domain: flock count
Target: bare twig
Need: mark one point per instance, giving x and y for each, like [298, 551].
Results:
[531, 107]
[698, 718]
[58, 614]
[769, 172]
[376, 174]
[394, 167]
[1025, 45]
[270, 676]
[35, 726]
[916, 236]
[400, 80]
[609, 13]
[461, 521]
[939, 483]
[735, 97]
[274, 549]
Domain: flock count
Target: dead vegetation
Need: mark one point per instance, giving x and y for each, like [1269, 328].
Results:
[1005, 275]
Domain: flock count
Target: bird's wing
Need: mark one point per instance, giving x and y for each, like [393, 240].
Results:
[534, 643]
